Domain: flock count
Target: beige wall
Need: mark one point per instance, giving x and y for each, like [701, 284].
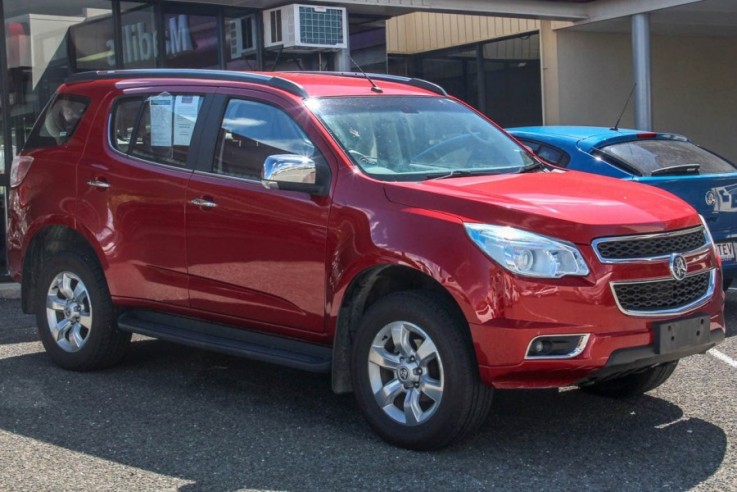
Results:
[423, 31]
[693, 84]
[695, 92]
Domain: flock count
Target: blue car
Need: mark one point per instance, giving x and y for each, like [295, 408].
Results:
[703, 179]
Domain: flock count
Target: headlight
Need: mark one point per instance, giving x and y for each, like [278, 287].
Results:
[528, 254]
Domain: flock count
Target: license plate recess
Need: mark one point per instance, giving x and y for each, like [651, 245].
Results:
[675, 335]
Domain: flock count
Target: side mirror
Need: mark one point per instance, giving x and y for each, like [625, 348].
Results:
[291, 172]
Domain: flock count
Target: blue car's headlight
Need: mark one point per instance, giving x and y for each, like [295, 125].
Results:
[526, 253]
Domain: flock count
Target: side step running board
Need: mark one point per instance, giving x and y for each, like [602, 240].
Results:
[232, 341]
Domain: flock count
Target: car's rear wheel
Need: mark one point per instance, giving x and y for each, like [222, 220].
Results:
[415, 373]
[633, 384]
[75, 314]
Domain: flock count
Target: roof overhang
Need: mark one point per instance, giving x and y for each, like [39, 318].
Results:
[564, 10]
[695, 17]
[688, 18]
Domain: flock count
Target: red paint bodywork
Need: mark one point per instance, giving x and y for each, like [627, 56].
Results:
[281, 262]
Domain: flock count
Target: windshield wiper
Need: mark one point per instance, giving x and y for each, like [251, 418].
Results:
[455, 174]
[532, 167]
[678, 169]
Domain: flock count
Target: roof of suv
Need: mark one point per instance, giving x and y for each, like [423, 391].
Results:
[302, 84]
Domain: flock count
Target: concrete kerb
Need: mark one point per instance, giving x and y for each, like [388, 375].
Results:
[9, 290]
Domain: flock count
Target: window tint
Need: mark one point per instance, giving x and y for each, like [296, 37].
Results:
[124, 120]
[653, 157]
[250, 132]
[551, 154]
[534, 146]
[58, 123]
[158, 128]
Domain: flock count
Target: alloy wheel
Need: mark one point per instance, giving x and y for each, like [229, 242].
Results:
[405, 373]
[69, 312]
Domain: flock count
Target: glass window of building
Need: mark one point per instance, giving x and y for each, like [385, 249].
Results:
[138, 35]
[240, 42]
[191, 39]
[47, 42]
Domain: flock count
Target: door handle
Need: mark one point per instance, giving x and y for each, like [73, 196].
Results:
[202, 203]
[99, 184]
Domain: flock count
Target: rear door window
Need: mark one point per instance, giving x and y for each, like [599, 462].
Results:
[667, 157]
[58, 122]
[157, 128]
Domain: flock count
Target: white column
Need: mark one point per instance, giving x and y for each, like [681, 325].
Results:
[641, 71]
[342, 61]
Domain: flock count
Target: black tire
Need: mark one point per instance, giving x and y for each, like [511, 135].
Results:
[464, 401]
[633, 384]
[98, 345]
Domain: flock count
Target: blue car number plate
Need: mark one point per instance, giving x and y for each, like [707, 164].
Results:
[726, 251]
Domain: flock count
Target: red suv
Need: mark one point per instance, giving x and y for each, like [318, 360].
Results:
[371, 227]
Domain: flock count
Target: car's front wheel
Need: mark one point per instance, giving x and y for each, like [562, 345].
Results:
[415, 373]
[75, 314]
[633, 384]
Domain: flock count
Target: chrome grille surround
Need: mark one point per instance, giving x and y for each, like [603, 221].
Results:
[692, 301]
[654, 247]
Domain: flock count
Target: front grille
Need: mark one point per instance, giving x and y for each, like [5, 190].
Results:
[662, 295]
[650, 246]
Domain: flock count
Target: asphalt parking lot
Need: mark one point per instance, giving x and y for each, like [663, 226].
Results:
[171, 418]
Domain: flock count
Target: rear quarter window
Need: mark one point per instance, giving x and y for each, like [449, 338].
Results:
[665, 157]
[58, 122]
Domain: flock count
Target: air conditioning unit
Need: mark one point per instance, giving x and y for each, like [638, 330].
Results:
[242, 36]
[306, 28]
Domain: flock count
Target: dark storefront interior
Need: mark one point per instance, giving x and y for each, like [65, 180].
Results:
[508, 90]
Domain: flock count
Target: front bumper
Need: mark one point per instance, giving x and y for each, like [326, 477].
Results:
[606, 355]
[631, 360]
[623, 336]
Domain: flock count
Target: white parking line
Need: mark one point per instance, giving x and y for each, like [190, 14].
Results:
[723, 357]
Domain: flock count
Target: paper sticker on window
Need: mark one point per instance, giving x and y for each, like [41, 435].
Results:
[185, 117]
[161, 120]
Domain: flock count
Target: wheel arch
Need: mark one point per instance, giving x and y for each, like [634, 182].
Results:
[44, 244]
[364, 290]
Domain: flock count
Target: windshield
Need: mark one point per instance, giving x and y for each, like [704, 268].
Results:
[414, 138]
[666, 157]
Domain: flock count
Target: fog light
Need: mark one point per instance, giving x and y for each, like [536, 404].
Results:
[539, 347]
[557, 346]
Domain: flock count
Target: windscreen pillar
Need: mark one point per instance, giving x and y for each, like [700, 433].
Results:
[641, 71]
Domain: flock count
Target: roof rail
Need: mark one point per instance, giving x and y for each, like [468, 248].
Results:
[420, 83]
[161, 73]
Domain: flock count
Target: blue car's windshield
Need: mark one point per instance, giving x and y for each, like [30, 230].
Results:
[400, 138]
[667, 157]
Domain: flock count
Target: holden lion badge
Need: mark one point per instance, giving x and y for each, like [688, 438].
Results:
[678, 266]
